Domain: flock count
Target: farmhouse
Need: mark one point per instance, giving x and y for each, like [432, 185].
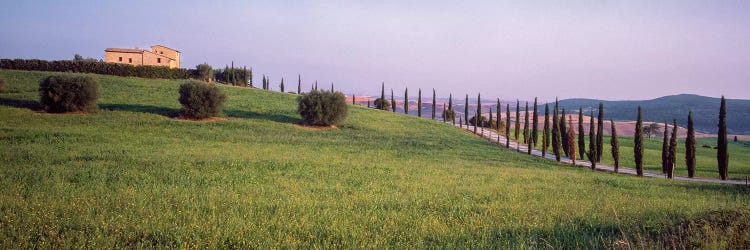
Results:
[158, 56]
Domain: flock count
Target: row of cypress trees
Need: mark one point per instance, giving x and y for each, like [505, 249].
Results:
[562, 135]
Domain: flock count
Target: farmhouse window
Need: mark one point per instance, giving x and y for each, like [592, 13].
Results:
[130, 60]
[120, 59]
[158, 60]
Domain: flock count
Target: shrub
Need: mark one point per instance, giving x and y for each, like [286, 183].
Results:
[204, 72]
[3, 87]
[201, 100]
[449, 115]
[68, 93]
[483, 121]
[96, 67]
[382, 104]
[322, 108]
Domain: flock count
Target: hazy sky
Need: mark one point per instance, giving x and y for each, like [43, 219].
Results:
[508, 49]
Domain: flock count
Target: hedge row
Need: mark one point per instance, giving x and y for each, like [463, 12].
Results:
[96, 67]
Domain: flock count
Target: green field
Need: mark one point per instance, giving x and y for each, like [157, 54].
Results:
[131, 176]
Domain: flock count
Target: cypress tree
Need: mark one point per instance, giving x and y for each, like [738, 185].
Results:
[571, 135]
[245, 75]
[460, 122]
[466, 110]
[534, 124]
[477, 119]
[600, 133]
[638, 144]
[433, 104]
[507, 125]
[545, 131]
[490, 123]
[672, 150]
[316, 85]
[581, 135]
[353, 100]
[393, 102]
[722, 155]
[226, 75]
[368, 104]
[450, 107]
[526, 124]
[445, 119]
[419, 103]
[556, 133]
[615, 146]
[406, 101]
[332, 87]
[665, 150]
[518, 120]
[499, 112]
[529, 145]
[564, 134]
[281, 86]
[690, 146]
[299, 84]
[592, 142]
[233, 76]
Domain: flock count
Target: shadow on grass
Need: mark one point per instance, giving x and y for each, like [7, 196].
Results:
[271, 117]
[33, 105]
[168, 112]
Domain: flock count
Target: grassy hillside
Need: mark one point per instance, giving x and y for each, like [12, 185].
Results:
[130, 176]
[705, 111]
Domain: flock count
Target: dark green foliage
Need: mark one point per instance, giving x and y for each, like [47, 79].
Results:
[672, 151]
[433, 104]
[249, 77]
[382, 104]
[721, 153]
[68, 93]
[479, 110]
[3, 85]
[354, 100]
[419, 103]
[638, 144]
[665, 150]
[507, 125]
[299, 84]
[368, 104]
[316, 85]
[281, 85]
[556, 133]
[615, 146]
[564, 134]
[204, 72]
[534, 123]
[571, 135]
[483, 122]
[545, 131]
[592, 142]
[322, 108]
[332, 88]
[491, 121]
[466, 108]
[600, 133]
[526, 124]
[201, 100]
[97, 67]
[518, 120]
[690, 146]
[581, 136]
[449, 115]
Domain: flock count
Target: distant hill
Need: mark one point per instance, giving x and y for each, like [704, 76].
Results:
[705, 111]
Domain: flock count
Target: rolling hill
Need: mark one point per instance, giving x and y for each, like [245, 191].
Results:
[131, 176]
[705, 111]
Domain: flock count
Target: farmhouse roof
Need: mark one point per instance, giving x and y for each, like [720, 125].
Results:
[165, 47]
[124, 50]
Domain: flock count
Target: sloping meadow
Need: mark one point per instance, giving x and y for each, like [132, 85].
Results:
[130, 175]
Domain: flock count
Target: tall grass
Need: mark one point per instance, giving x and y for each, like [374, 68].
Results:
[131, 176]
